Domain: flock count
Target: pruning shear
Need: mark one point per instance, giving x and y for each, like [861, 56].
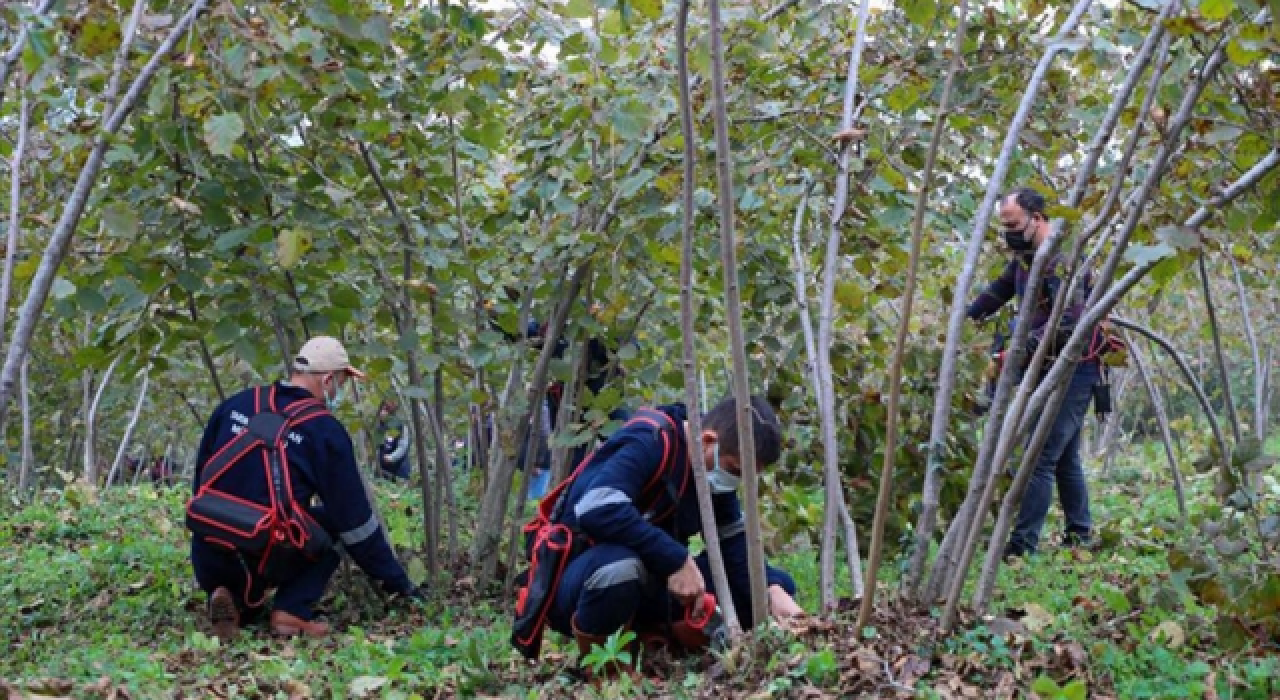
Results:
[704, 616]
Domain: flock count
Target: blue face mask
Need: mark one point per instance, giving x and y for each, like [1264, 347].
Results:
[718, 479]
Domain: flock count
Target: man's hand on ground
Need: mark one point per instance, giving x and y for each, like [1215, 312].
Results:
[782, 605]
[413, 597]
[686, 584]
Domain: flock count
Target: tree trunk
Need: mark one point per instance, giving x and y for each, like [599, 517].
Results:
[1259, 370]
[1105, 445]
[733, 303]
[560, 467]
[710, 529]
[91, 429]
[933, 484]
[827, 576]
[128, 431]
[15, 211]
[956, 556]
[1224, 373]
[28, 456]
[1187, 374]
[960, 291]
[64, 231]
[487, 543]
[408, 328]
[831, 481]
[1166, 438]
[1008, 510]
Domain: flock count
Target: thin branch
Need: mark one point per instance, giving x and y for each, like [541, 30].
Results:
[122, 58]
[1162, 418]
[720, 579]
[773, 12]
[733, 303]
[900, 342]
[15, 213]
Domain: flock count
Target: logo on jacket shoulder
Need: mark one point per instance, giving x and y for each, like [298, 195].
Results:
[239, 422]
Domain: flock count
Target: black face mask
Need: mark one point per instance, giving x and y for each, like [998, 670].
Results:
[1017, 239]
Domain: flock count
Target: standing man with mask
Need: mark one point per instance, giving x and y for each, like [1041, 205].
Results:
[321, 463]
[1025, 227]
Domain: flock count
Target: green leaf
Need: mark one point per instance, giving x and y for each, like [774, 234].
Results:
[1216, 9]
[62, 288]
[649, 9]
[345, 297]
[226, 330]
[578, 9]
[487, 133]
[1075, 690]
[222, 132]
[630, 118]
[90, 300]
[120, 220]
[1179, 237]
[632, 184]
[377, 29]
[1148, 255]
[231, 240]
[1046, 687]
[289, 247]
[40, 46]
[920, 12]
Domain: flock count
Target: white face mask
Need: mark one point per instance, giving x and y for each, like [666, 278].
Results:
[332, 402]
[718, 479]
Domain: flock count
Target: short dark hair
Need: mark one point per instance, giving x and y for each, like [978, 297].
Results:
[1030, 200]
[723, 419]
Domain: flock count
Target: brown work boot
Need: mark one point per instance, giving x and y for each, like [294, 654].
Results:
[611, 670]
[223, 615]
[285, 625]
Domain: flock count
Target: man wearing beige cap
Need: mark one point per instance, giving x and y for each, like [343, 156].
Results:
[318, 461]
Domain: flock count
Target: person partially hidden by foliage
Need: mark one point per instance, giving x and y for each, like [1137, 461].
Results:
[629, 511]
[393, 451]
[1024, 227]
[247, 492]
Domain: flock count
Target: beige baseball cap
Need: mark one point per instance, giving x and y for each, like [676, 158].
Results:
[324, 354]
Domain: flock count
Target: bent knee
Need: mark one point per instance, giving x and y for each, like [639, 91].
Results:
[623, 572]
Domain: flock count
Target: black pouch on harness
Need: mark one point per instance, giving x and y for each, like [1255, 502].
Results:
[279, 535]
[552, 550]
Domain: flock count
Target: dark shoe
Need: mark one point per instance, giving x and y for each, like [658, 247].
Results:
[1078, 540]
[223, 615]
[1013, 551]
[284, 624]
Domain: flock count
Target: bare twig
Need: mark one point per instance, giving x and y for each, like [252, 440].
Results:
[15, 212]
[724, 595]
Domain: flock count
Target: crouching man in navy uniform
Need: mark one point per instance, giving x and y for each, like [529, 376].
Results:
[320, 462]
[636, 572]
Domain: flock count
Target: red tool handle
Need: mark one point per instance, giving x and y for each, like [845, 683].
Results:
[698, 613]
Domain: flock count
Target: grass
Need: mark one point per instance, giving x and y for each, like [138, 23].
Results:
[101, 587]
